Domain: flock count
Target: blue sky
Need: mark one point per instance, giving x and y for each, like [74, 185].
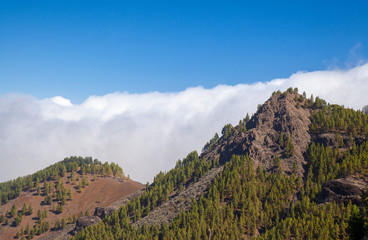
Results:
[95, 56]
[80, 48]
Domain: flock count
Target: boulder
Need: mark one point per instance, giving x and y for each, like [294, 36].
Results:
[342, 190]
[102, 212]
[84, 222]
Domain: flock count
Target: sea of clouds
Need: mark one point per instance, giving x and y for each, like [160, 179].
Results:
[147, 133]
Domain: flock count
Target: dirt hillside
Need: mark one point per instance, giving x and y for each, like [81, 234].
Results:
[100, 192]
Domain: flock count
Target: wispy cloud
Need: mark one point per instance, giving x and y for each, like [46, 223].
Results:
[355, 57]
[146, 133]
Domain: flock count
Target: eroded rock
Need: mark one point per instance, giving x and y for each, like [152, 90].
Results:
[342, 190]
[279, 114]
[84, 222]
[102, 212]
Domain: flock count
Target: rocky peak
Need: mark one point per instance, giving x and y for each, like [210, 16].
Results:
[281, 114]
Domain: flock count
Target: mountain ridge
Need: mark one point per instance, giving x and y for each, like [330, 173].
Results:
[284, 173]
[295, 149]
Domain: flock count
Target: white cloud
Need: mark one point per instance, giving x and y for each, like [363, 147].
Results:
[59, 100]
[146, 133]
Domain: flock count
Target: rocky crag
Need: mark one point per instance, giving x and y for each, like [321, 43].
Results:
[278, 115]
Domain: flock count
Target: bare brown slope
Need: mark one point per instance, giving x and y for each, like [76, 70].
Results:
[277, 115]
[99, 193]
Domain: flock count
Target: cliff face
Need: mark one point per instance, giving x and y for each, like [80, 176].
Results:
[278, 115]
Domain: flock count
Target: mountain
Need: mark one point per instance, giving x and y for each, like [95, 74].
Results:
[280, 115]
[296, 169]
[58, 195]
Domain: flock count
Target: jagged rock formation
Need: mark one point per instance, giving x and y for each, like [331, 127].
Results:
[277, 115]
[180, 202]
[343, 190]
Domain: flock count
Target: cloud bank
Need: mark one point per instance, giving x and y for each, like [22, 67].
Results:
[146, 133]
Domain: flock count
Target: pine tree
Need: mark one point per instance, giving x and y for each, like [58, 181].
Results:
[277, 162]
[63, 223]
[59, 208]
[47, 226]
[13, 211]
[70, 194]
[24, 209]
[18, 219]
[57, 225]
[30, 210]
[27, 229]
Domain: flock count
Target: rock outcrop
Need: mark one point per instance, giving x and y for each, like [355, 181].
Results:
[279, 114]
[102, 212]
[84, 222]
[343, 190]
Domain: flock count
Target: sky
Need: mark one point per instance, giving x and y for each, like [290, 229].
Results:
[143, 83]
